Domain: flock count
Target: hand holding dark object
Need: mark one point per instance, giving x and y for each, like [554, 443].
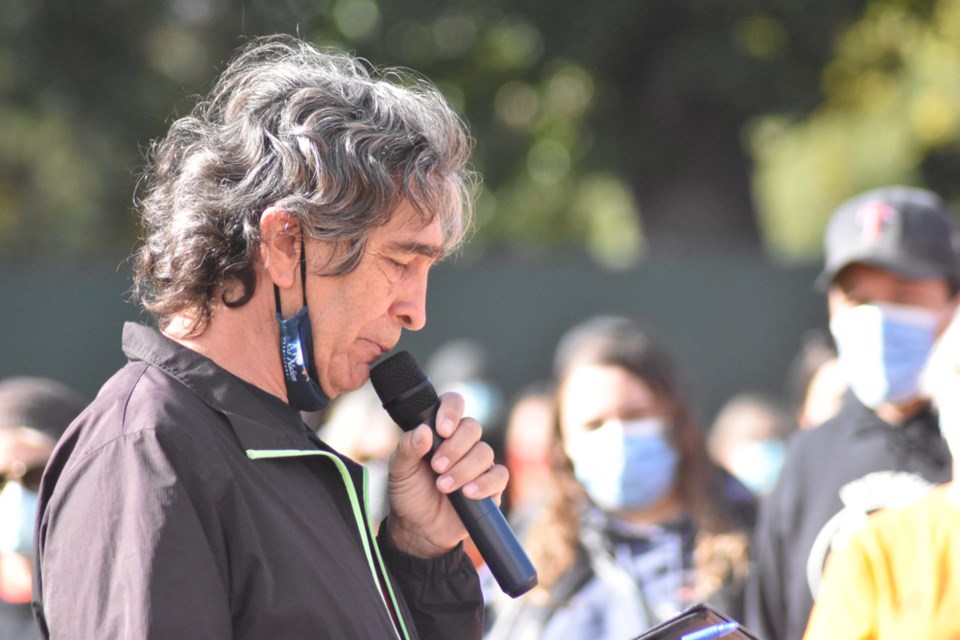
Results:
[435, 429]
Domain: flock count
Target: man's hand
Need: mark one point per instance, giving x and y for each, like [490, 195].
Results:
[422, 521]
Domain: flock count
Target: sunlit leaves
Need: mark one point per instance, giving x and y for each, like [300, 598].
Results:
[454, 35]
[513, 43]
[575, 109]
[761, 36]
[356, 19]
[892, 99]
[179, 54]
[517, 104]
[614, 235]
[49, 184]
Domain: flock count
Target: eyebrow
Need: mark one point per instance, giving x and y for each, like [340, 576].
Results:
[431, 251]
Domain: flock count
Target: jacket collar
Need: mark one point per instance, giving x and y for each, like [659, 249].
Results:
[918, 436]
[259, 419]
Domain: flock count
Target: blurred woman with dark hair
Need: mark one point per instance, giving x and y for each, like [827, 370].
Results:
[639, 523]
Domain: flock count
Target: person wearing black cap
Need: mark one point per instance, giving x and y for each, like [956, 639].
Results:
[896, 577]
[34, 412]
[891, 277]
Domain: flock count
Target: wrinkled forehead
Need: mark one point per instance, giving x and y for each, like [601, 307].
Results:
[419, 240]
[441, 201]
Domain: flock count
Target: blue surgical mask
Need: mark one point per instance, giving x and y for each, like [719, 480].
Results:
[296, 353]
[757, 463]
[625, 465]
[883, 349]
[18, 509]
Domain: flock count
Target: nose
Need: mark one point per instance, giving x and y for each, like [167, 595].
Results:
[410, 307]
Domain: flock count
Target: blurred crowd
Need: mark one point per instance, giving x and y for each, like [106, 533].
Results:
[822, 512]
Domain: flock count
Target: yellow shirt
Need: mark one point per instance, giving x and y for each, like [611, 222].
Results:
[898, 578]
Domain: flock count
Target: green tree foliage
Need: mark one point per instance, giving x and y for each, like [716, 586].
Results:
[610, 126]
[678, 79]
[890, 114]
[529, 108]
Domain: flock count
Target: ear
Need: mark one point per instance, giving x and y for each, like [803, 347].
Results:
[280, 246]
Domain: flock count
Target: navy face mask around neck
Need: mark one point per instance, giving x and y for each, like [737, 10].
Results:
[296, 353]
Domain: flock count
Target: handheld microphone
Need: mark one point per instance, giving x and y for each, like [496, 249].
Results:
[410, 399]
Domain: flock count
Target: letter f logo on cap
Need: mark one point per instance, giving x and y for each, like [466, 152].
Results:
[874, 218]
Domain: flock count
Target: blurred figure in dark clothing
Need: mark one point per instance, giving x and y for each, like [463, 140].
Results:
[34, 412]
[748, 439]
[815, 383]
[891, 277]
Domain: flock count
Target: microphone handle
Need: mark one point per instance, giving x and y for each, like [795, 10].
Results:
[487, 526]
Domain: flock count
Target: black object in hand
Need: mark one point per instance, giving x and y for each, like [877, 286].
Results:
[410, 399]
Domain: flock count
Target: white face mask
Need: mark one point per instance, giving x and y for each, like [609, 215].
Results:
[944, 377]
[942, 381]
[624, 465]
[757, 464]
[18, 512]
[883, 349]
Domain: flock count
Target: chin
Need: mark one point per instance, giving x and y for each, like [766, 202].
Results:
[358, 378]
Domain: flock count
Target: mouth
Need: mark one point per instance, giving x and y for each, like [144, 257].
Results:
[380, 348]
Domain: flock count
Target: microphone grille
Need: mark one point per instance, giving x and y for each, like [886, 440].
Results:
[396, 375]
[404, 390]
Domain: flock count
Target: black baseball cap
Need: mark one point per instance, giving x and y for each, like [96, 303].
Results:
[906, 230]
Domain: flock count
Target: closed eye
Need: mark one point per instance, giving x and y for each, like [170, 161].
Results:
[593, 425]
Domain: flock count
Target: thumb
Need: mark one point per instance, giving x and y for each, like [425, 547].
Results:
[411, 448]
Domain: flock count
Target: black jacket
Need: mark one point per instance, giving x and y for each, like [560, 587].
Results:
[833, 476]
[185, 503]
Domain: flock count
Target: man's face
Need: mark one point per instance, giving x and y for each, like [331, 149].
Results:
[358, 316]
[864, 284]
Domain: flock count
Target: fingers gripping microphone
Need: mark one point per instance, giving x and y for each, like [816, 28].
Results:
[410, 399]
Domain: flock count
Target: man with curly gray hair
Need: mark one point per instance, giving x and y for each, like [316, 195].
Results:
[290, 223]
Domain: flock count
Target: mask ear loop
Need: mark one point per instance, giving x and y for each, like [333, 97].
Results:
[308, 338]
[303, 266]
[303, 277]
[276, 300]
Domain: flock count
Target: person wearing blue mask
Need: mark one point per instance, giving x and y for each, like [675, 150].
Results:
[290, 224]
[896, 577]
[639, 523]
[34, 412]
[747, 438]
[891, 276]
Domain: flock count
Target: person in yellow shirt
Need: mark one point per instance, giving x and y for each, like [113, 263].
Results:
[897, 576]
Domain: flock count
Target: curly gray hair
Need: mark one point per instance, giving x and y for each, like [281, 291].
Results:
[316, 133]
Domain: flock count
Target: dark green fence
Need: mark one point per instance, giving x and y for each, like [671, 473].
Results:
[735, 323]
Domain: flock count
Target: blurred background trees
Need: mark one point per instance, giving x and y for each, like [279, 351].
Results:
[620, 128]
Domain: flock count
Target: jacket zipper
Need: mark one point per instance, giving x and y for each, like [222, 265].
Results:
[370, 548]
